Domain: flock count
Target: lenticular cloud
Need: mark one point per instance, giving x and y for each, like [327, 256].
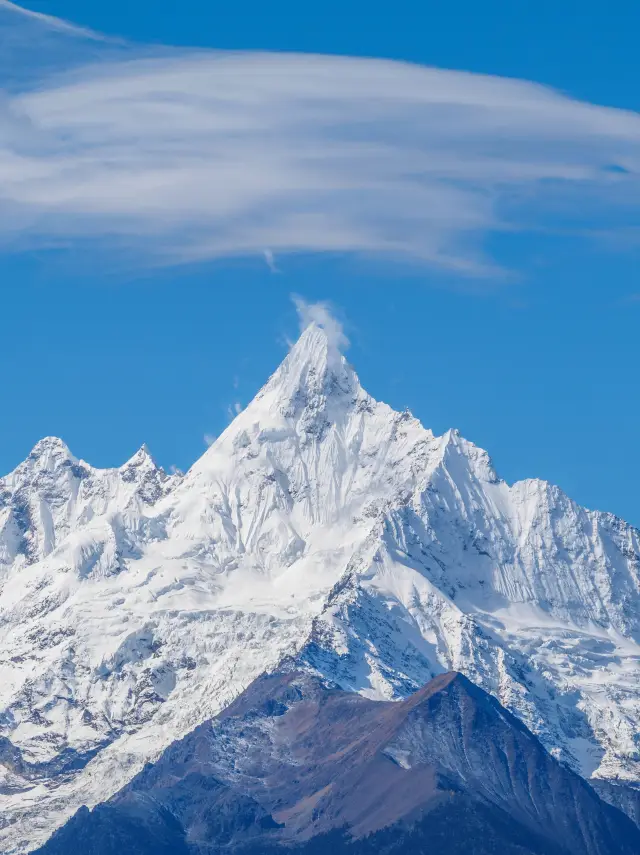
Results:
[183, 156]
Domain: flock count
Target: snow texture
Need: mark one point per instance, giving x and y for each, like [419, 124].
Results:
[323, 526]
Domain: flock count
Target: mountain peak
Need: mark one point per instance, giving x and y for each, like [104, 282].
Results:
[313, 373]
[142, 457]
[314, 337]
[456, 685]
[317, 349]
[49, 453]
[49, 443]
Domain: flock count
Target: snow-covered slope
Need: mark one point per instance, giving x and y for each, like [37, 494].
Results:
[321, 525]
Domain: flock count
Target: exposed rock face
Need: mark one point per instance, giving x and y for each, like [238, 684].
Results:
[294, 761]
[321, 524]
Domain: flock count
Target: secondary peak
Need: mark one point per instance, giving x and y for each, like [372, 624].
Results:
[48, 448]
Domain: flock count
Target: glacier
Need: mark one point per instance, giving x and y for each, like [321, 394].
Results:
[322, 527]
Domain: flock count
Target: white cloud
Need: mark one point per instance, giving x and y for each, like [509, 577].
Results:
[271, 261]
[322, 314]
[200, 155]
[233, 410]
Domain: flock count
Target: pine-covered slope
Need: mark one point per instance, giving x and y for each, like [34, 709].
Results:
[321, 525]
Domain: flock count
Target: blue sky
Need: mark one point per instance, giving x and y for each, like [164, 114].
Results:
[525, 338]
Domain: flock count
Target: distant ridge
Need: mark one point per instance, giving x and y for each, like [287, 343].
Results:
[296, 765]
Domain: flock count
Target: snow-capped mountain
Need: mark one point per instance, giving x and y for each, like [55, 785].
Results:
[322, 526]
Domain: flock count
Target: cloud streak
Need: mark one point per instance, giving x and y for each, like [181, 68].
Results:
[47, 21]
[197, 155]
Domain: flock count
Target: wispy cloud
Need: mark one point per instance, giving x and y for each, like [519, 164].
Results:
[48, 21]
[271, 261]
[35, 47]
[201, 155]
[324, 315]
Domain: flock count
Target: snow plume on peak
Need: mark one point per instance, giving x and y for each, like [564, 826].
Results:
[322, 315]
[319, 351]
